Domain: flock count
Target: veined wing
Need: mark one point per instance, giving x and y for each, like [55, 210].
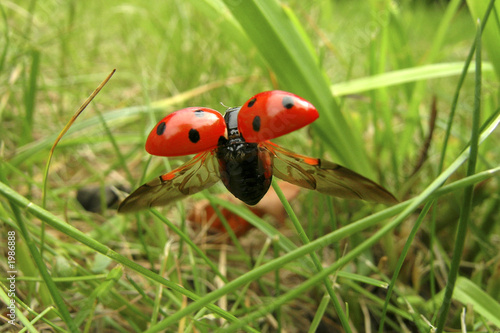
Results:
[325, 177]
[195, 175]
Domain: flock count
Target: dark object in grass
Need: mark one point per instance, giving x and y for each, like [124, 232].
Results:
[90, 197]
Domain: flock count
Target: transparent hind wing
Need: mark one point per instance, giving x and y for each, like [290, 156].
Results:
[325, 177]
[195, 175]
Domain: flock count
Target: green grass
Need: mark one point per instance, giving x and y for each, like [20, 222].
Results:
[371, 68]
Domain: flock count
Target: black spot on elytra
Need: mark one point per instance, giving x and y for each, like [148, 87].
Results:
[161, 128]
[194, 135]
[251, 102]
[288, 102]
[256, 123]
[199, 113]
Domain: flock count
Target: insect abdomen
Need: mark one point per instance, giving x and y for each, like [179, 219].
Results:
[246, 171]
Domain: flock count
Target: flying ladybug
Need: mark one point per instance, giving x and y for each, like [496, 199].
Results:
[235, 149]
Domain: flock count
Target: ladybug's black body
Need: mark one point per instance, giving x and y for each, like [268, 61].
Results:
[245, 168]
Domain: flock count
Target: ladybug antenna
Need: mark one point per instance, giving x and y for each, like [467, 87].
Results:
[224, 105]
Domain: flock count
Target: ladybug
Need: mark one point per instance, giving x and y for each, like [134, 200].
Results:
[235, 148]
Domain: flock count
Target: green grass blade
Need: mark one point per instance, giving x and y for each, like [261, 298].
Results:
[468, 193]
[401, 260]
[42, 268]
[454, 102]
[414, 74]
[317, 263]
[467, 292]
[491, 30]
[318, 316]
[30, 95]
[445, 24]
[6, 299]
[41, 315]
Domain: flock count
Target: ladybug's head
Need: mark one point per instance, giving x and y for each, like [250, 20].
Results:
[231, 119]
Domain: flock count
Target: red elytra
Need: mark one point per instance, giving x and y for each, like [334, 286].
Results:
[271, 114]
[187, 131]
[265, 116]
